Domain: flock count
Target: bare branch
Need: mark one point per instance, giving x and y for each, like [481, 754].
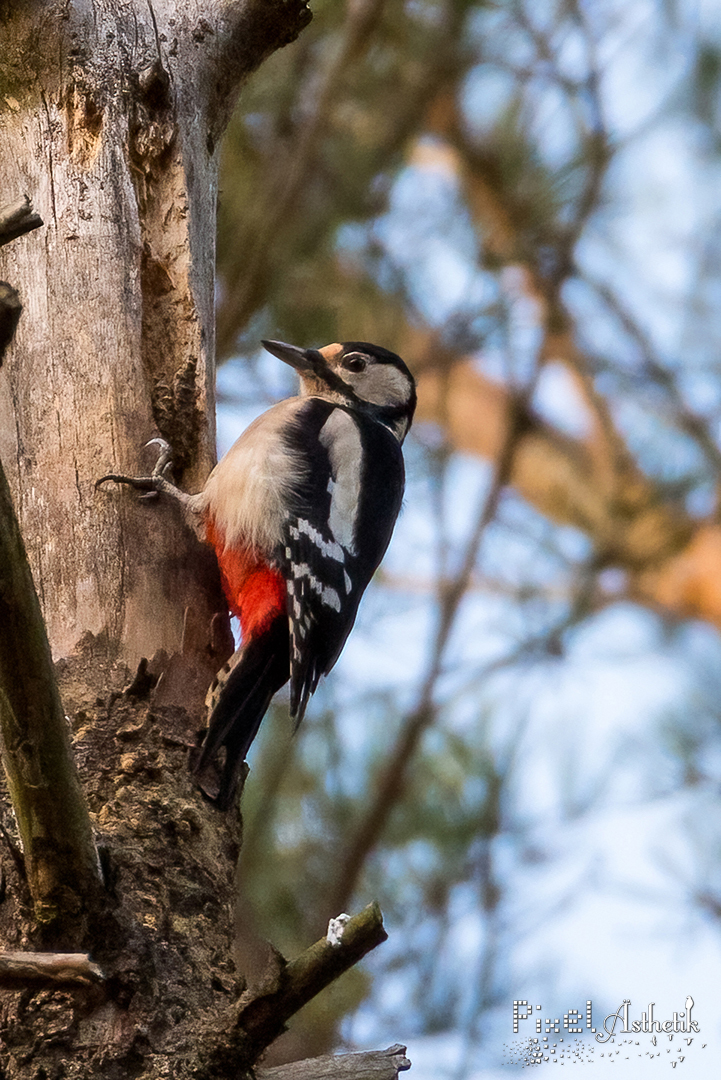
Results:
[240, 35]
[28, 967]
[373, 1065]
[262, 1012]
[16, 219]
[262, 1016]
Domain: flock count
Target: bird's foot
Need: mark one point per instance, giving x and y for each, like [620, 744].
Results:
[154, 484]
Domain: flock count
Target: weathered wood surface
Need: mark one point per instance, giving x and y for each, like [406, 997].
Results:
[372, 1065]
[27, 967]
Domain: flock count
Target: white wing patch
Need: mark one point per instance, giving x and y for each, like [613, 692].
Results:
[325, 593]
[328, 548]
[341, 438]
[297, 627]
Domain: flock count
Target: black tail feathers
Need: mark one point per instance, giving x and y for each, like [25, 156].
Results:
[238, 701]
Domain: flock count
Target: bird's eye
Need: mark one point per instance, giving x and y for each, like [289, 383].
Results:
[354, 362]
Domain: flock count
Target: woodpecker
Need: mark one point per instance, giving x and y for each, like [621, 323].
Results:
[300, 512]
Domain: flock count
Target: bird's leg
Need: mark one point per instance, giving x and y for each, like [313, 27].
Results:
[155, 484]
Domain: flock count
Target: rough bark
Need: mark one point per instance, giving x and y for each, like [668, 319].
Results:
[161, 937]
[110, 117]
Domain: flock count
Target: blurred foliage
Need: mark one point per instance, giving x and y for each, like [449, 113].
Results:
[323, 131]
[451, 178]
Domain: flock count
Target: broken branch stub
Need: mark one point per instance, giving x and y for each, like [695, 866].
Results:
[261, 1015]
[371, 1065]
[17, 968]
[16, 219]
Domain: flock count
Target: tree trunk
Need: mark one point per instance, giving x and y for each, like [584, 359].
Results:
[110, 117]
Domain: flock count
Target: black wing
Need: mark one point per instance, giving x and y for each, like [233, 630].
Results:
[348, 494]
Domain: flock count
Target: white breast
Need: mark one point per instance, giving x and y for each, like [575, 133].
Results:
[247, 491]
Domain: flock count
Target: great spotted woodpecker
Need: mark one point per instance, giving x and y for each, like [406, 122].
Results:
[300, 512]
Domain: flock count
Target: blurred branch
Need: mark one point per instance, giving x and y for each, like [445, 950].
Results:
[693, 425]
[246, 278]
[595, 139]
[500, 221]
[670, 558]
[593, 484]
[630, 527]
[294, 166]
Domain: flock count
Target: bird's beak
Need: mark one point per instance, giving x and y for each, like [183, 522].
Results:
[291, 354]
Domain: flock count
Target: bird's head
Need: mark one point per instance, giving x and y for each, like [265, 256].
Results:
[356, 374]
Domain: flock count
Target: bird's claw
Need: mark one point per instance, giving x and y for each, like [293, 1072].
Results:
[165, 457]
[149, 484]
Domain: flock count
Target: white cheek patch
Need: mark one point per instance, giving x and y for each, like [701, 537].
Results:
[382, 384]
[341, 438]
